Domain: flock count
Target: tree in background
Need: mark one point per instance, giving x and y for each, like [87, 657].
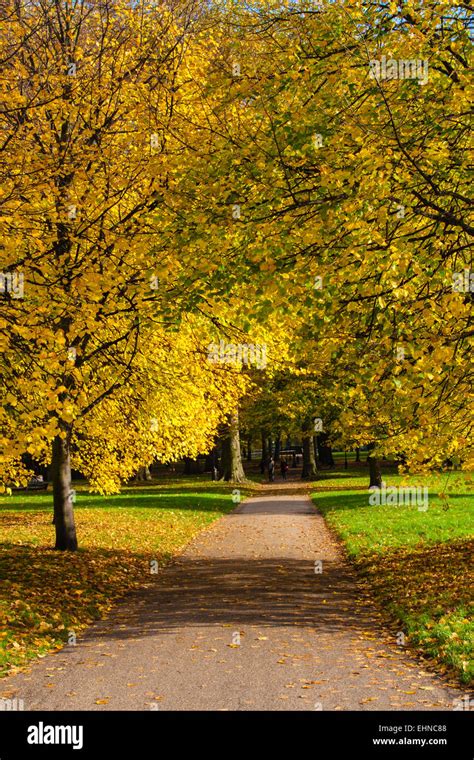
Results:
[356, 198]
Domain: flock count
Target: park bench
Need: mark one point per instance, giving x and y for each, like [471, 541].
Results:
[33, 485]
[41, 485]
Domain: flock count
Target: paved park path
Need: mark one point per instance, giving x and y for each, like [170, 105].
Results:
[241, 621]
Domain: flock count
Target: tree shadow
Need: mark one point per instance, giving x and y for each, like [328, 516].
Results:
[233, 593]
[281, 592]
[205, 496]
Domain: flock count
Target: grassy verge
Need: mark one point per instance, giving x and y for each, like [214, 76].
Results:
[47, 597]
[417, 562]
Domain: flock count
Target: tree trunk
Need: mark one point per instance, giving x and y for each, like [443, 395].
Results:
[231, 458]
[375, 473]
[211, 460]
[309, 462]
[325, 451]
[264, 458]
[249, 449]
[345, 460]
[357, 454]
[276, 455]
[315, 447]
[62, 494]
[191, 466]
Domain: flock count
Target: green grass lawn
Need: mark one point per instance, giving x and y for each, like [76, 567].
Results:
[417, 562]
[45, 595]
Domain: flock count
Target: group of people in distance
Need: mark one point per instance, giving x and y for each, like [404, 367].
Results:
[284, 467]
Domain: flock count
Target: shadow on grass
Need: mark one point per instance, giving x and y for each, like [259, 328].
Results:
[428, 589]
[205, 497]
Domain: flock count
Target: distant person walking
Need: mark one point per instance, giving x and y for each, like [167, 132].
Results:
[271, 470]
[284, 468]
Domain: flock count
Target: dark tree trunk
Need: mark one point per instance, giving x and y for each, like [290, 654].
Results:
[345, 460]
[375, 473]
[191, 466]
[231, 458]
[264, 458]
[325, 451]
[62, 494]
[357, 454]
[249, 449]
[211, 460]
[309, 462]
[276, 455]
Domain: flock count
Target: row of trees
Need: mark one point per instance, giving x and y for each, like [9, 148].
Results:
[179, 174]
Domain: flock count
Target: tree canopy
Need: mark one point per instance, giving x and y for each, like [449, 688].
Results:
[203, 208]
